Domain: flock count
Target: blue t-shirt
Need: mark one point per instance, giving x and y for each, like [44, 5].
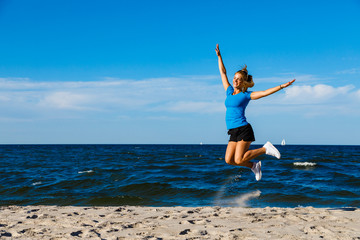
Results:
[235, 108]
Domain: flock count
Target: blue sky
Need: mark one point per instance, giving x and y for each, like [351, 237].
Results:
[146, 71]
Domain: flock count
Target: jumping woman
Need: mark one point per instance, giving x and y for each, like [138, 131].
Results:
[240, 131]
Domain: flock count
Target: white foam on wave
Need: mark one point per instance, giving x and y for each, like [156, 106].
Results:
[304, 164]
[36, 183]
[89, 171]
[241, 200]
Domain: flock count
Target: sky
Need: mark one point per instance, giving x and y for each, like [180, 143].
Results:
[145, 72]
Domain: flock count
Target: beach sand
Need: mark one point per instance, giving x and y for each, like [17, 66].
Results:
[128, 222]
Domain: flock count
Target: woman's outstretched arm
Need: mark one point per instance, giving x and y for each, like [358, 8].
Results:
[222, 69]
[261, 94]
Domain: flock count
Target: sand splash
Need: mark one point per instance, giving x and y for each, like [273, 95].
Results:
[240, 200]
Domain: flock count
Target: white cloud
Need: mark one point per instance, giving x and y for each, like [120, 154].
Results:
[192, 107]
[161, 95]
[357, 94]
[319, 93]
[310, 101]
[349, 71]
[66, 100]
[4, 99]
[112, 95]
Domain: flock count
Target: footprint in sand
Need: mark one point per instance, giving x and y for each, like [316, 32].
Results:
[76, 234]
[184, 232]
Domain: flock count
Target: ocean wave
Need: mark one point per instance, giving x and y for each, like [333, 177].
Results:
[88, 171]
[113, 175]
[304, 164]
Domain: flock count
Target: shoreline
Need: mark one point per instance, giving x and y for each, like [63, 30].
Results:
[136, 222]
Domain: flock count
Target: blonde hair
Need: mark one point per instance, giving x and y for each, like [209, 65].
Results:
[247, 79]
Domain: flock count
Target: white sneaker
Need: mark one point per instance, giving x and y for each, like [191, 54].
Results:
[256, 168]
[271, 150]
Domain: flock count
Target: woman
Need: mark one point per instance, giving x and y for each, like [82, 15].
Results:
[240, 131]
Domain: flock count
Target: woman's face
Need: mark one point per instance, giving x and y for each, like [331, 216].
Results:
[237, 81]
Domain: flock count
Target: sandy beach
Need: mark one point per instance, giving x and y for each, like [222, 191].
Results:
[128, 222]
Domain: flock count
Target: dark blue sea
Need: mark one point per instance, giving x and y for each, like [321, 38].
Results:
[176, 175]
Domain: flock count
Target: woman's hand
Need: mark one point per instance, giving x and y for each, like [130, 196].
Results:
[217, 50]
[285, 85]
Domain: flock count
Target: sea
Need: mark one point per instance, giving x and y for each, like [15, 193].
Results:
[177, 175]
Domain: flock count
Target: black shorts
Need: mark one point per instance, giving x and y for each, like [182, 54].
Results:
[245, 133]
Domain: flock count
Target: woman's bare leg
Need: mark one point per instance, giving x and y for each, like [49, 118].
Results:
[230, 153]
[238, 153]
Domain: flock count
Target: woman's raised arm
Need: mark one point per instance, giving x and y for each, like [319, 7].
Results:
[222, 69]
[261, 94]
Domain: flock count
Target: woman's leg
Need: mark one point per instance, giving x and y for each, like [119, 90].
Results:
[230, 153]
[243, 155]
[238, 153]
